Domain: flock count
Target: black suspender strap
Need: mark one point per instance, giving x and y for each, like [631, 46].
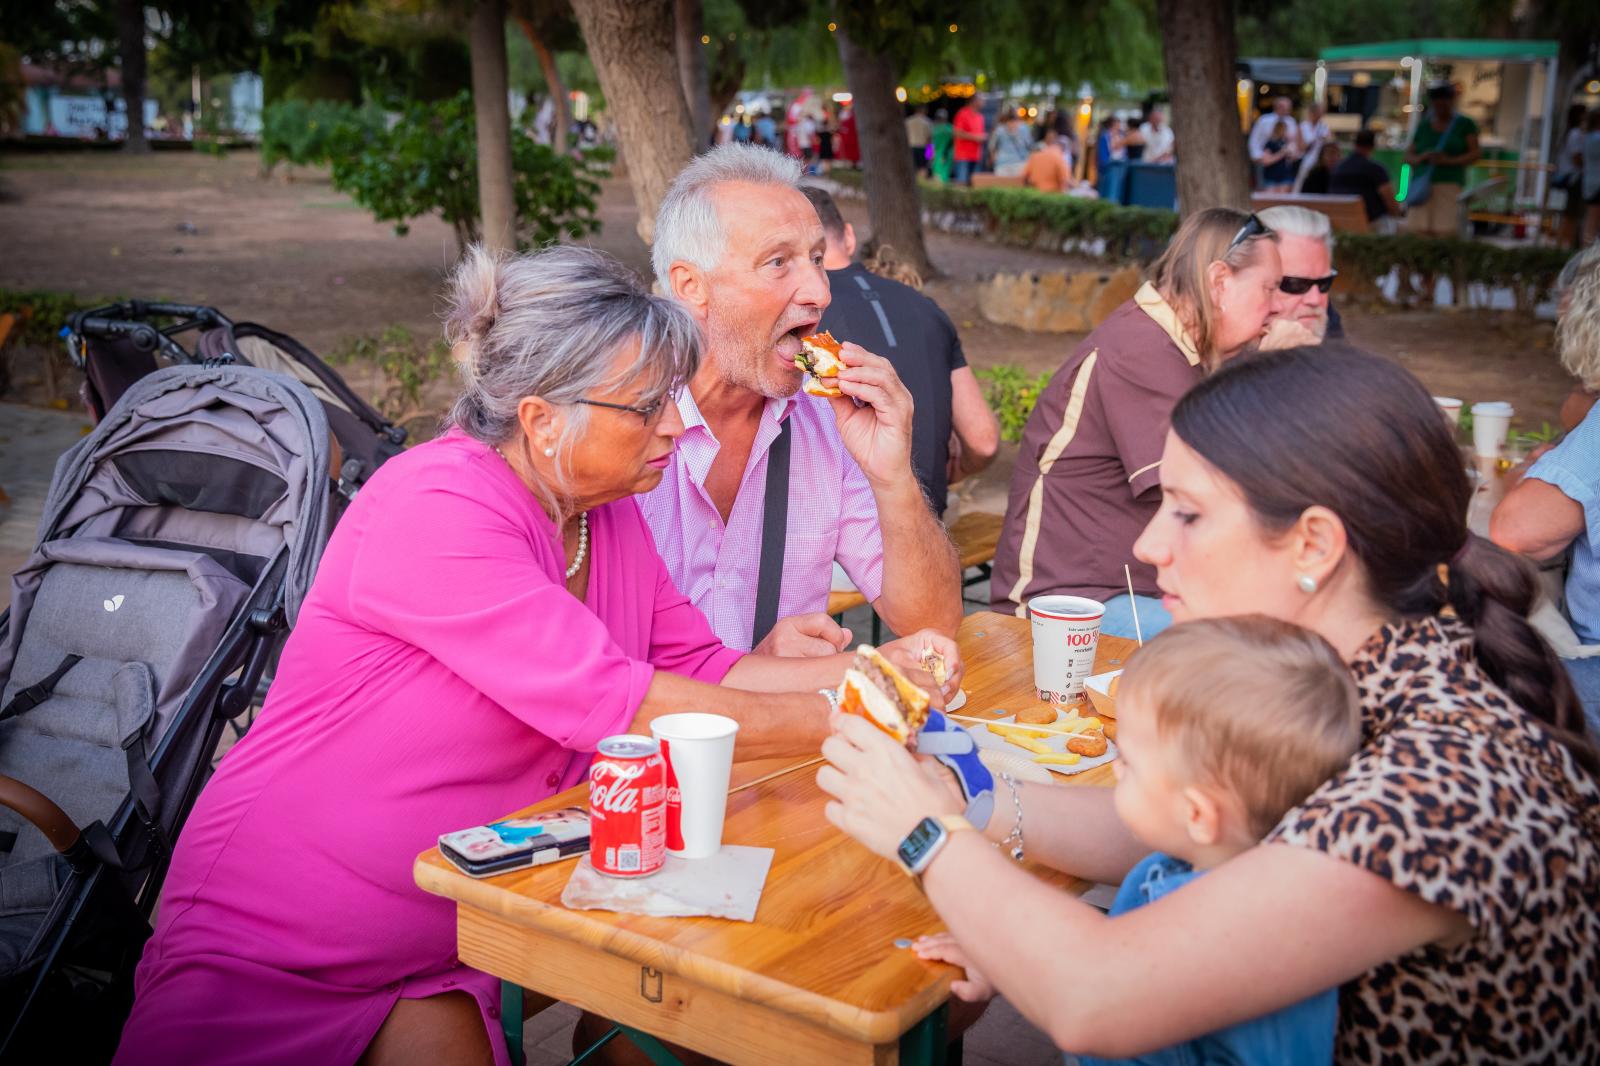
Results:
[774, 528]
[39, 691]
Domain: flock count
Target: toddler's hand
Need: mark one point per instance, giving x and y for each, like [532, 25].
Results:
[943, 948]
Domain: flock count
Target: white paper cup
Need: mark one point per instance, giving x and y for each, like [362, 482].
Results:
[698, 750]
[1491, 424]
[1066, 631]
[1451, 408]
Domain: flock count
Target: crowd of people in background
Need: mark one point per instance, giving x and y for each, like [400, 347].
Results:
[1290, 154]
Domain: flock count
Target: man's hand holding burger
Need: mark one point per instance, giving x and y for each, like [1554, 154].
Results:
[877, 433]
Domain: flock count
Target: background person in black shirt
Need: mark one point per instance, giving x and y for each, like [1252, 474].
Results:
[1360, 175]
[953, 432]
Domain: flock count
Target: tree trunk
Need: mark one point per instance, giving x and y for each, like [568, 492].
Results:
[689, 24]
[893, 203]
[496, 201]
[630, 44]
[130, 36]
[553, 82]
[1197, 43]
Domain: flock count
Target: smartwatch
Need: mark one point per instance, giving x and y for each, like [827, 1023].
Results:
[926, 840]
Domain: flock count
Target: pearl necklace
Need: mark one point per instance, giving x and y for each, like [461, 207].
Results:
[583, 529]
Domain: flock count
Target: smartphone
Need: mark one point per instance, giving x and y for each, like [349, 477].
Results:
[518, 843]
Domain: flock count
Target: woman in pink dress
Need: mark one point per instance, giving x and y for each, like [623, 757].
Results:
[490, 607]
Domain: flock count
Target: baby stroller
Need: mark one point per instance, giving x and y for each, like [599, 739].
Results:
[177, 543]
[119, 344]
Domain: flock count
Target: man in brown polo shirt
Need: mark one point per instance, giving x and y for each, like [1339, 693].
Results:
[1088, 472]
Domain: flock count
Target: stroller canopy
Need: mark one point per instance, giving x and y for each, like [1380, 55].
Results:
[230, 459]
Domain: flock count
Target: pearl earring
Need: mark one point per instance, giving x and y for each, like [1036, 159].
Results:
[1306, 583]
[549, 453]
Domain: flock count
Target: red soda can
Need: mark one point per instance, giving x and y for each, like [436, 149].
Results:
[627, 807]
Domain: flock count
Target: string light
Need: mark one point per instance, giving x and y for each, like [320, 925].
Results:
[705, 38]
[900, 93]
[832, 26]
[953, 27]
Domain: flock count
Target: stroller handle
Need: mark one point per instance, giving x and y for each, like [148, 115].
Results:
[145, 337]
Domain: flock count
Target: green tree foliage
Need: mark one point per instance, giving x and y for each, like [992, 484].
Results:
[303, 132]
[1305, 27]
[788, 42]
[426, 162]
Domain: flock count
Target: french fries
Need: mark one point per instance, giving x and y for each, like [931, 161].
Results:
[1065, 758]
[1009, 731]
[1065, 726]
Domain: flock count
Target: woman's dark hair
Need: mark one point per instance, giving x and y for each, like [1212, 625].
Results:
[1357, 434]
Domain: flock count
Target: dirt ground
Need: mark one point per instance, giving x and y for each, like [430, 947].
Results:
[298, 256]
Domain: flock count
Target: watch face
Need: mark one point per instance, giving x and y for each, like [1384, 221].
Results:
[919, 843]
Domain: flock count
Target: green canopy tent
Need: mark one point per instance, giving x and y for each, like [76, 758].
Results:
[1522, 75]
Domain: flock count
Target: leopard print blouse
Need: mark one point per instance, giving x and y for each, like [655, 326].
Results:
[1458, 796]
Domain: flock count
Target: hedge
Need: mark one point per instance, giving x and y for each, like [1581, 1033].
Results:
[47, 313]
[1032, 219]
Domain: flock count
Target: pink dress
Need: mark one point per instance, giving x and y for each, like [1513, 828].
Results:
[440, 676]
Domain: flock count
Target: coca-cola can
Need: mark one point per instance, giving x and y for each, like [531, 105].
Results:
[627, 807]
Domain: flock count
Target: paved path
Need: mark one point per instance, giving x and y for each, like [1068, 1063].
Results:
[31, 439]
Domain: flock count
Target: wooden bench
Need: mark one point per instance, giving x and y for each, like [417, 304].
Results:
[976, 535]
[1348, 213]
[995, 181]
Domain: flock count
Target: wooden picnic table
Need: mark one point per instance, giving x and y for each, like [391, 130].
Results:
[976, 535]
[816, 977]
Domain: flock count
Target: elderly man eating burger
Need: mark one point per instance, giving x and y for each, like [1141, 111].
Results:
[768, 488]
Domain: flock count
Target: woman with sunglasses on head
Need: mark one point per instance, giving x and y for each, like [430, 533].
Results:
[489, 608]
[1086, 478]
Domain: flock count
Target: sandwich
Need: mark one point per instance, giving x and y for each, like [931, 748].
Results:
[881, 694]
[819, 359]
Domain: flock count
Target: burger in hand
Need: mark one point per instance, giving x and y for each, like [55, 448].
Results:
[819, 359]
[874, 689]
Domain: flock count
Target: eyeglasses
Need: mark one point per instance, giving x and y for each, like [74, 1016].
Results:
[1253, 227]
[1300, 286]
[648, 412]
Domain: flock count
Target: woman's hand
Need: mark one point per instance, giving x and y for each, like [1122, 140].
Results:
[942, 947]
[804, 636]
[879, 791]
[910, 654]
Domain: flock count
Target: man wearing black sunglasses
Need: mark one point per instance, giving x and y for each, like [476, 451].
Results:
[1302, 314]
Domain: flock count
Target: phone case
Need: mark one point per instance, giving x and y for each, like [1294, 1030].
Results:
[517, 843]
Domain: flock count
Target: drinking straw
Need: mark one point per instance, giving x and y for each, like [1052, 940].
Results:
[1134, 604]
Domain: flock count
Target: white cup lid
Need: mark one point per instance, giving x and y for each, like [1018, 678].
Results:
[1493, 407]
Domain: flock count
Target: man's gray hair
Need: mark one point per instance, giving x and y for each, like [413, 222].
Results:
[1300, 222]
[551, 324]
[687, 225]
[1578, 332]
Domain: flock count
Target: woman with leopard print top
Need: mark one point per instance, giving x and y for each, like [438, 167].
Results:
[1447, 881]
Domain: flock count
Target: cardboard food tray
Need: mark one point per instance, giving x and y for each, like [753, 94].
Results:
[1101, 700]
[987, 741]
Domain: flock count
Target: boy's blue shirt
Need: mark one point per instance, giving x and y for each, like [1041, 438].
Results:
[1298, 1035]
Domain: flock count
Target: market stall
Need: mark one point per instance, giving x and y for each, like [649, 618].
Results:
[1507, 87]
